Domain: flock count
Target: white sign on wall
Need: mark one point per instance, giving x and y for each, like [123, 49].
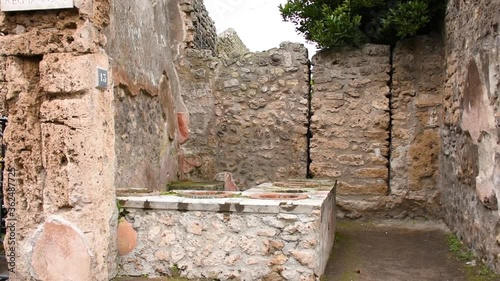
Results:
[26, 5]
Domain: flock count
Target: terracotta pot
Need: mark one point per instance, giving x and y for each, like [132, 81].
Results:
[126, 237]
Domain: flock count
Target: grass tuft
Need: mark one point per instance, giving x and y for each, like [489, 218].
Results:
[457, 247]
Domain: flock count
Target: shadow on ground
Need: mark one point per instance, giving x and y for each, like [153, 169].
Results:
[397, 251]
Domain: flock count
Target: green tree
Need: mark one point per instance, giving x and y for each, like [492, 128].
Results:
[333, 23]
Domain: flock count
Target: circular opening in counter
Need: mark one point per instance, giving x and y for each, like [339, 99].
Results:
[205, 194]
[278, 196]
[288, 191]
[297, 184]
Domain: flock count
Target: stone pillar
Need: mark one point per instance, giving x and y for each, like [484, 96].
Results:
[61, 169]
[59, 174]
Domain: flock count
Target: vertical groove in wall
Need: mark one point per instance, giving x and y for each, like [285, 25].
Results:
[389, 155]
[309, 116]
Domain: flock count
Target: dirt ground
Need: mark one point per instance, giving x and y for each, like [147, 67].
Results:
[397, 251]
[391, 251]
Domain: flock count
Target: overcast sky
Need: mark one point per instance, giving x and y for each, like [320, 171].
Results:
[257, 22]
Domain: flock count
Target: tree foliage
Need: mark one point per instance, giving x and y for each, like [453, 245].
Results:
[332, 23]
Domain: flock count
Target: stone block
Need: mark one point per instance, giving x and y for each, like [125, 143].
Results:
[368, 187]
[67, 73]
[3, 68]
[371, 173]
[351, 159]
[305, 257]
[429, 100]
[16, 74]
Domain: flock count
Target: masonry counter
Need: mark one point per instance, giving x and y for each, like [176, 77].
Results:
[280, 231]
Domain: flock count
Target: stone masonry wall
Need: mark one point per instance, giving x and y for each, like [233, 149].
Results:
[230, 44]
[201, 32]
[60, 144]
[206, 34]
[198, 70]
[350, 121]
[470, 160]
[417, 92]
[224, 246]
[147, 93]
[261, 115]
[248, 115]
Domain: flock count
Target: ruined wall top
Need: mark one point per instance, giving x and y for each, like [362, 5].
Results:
[201, 30]
[229, 43]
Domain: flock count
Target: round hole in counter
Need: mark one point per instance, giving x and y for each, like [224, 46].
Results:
[205, 194]
[279, 196]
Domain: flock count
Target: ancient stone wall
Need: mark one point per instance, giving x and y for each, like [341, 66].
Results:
[147, 93]
[470, 161]
[201, 32]
[370, 106]
[248, 115]
[198, 70]
[59, 174]
[350, 121]
[230, 44]
[416, 98]
[262, 114]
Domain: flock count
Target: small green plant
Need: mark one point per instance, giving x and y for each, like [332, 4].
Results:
[175, 271]
[457, 247]
[239, 195]
[485, 271]
[168, 193]
[122, 212]
[462, 253]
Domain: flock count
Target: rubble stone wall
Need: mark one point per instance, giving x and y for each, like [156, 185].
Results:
[371, 105]
[206, 34]
[248, 115]
[147, 93]
[350, 118]
[59, 171]
[470, 160]
[201, 33]
[230, 44]
[198, 71]
[261, 109]
[416, 98]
